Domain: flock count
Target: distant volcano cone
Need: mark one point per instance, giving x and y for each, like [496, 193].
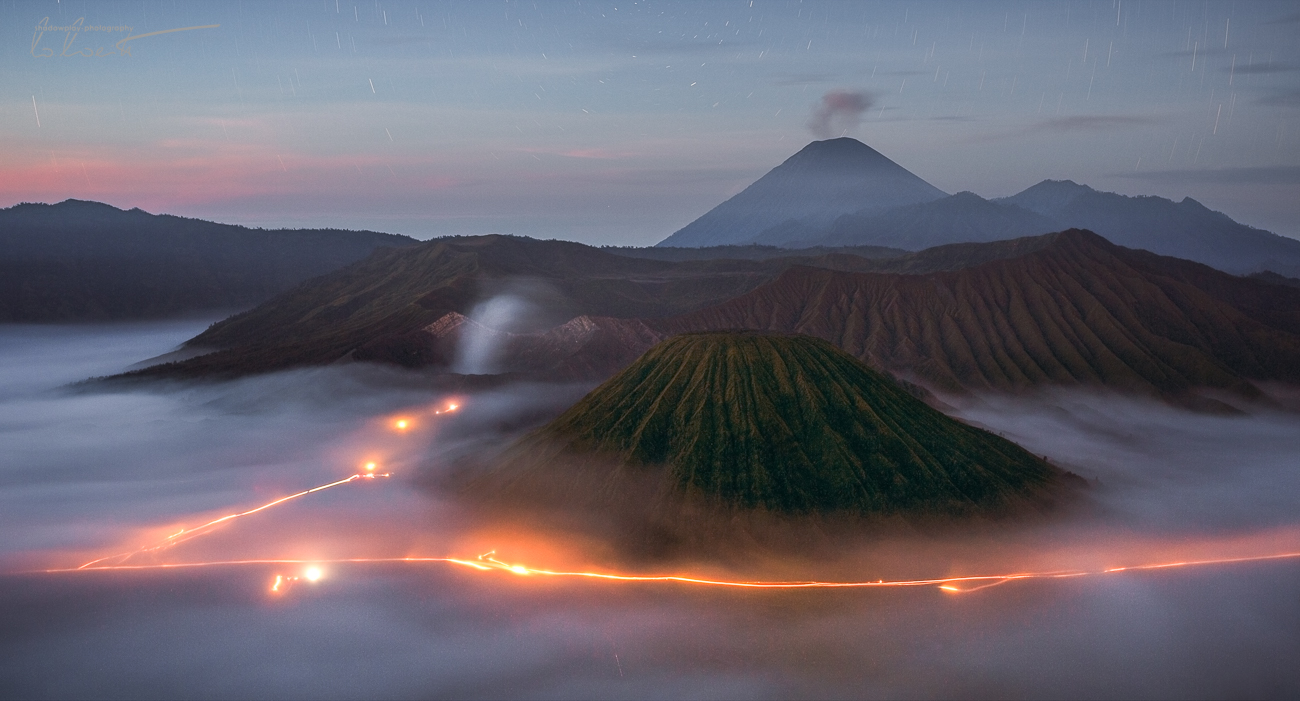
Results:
[814, 187]
[783, 424]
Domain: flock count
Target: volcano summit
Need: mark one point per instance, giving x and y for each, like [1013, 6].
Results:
[823, 181]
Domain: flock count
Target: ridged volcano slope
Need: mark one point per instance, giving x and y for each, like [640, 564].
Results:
[789, 424]
[1073, 309]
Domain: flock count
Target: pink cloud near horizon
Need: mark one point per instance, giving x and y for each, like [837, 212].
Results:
[126, 178]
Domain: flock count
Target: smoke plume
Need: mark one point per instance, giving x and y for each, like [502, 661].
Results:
[517, 305]
[481, 343]
[840, 111]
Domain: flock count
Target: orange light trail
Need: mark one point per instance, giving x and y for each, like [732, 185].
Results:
[196, 531]
[488, 562]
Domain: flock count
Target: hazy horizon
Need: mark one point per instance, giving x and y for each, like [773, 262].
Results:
[611, 123]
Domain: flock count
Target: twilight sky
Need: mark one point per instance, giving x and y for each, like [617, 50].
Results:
[619, 122]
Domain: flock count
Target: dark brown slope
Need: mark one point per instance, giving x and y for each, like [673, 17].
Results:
[1073, 309]
[1066, 308]
[1275, 279]
[378, 309]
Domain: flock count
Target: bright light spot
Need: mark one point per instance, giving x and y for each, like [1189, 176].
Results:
[370, 467]
[519, 569]
[451, 407]
[402, 424]
[945, 587]
[312, 574]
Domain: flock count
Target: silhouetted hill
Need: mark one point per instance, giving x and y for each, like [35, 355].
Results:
[86, 261]
[1071, 309]
[963, 217]
[1185, 229]
[784, 424]
[1274, 278]
[823, 181]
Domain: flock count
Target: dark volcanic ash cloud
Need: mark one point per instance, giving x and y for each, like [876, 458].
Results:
[840, 111]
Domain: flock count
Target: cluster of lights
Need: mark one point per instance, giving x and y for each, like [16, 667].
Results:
[406, 423]
[283, 582]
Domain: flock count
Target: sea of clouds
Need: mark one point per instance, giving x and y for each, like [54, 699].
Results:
[99, 469]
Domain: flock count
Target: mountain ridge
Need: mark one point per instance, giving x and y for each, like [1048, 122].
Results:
[87, 261]
[1064, 309]
[801, 207]
[378, 307]
[961, 218]
[1187, 228]
[1073, 309]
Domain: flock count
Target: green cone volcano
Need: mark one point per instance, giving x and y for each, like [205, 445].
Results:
[789, 424]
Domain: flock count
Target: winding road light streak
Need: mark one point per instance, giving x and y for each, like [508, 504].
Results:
[185, 534]
[488, 562]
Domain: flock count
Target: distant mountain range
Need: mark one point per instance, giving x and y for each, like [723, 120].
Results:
[87, 261]
[878, 203]
[961, 218]
[1061, 309]
[752, 251]
[1185, 229]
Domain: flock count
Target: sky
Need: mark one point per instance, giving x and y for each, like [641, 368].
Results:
[620, 122]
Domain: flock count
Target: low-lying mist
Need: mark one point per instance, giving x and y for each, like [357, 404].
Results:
[89, 471]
